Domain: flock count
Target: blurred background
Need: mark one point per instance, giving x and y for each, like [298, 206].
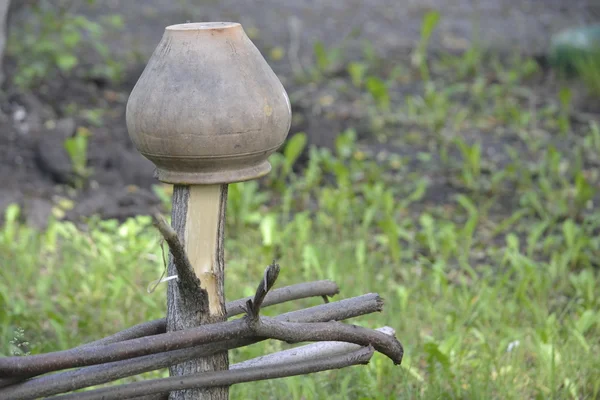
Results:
[446, 152]
[70, 65]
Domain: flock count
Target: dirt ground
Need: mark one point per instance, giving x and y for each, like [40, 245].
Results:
[36, 172]
[525, 25]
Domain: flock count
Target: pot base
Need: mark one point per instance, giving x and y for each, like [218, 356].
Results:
[214, 177]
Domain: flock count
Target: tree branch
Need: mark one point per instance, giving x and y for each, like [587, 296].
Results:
[292, 356]
[306, 352]
[95, 375]
[187, 279]
[9, 381]
[42, 363]
[236, 307]
[295, 332]
[223, 378]
[270, 276]
[288, 293]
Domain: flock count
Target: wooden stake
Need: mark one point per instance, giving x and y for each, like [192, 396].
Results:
[198, 217]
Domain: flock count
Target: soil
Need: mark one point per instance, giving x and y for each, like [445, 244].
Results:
[36, 171]
[390, 25]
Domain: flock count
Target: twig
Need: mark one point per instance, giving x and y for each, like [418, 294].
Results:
[149, 328]
[288, 293]
[42, 363]
[270, 276]
[236, 307]
[90, 376]
[294, 332]
[223, 378]
[187, 277]
[325, 331]
[306, 352]
[291, 356]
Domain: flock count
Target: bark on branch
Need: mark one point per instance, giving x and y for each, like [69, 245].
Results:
[223, 378]
[323, 288]
[305, 352]
[249, 326]
[128, 357]
[188, 281]
[221, 331]
[270, 276]
[277, 296]
[42, 363]
[90, 376]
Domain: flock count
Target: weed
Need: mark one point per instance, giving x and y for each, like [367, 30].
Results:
[77, 147]
[379, 92]
[419, 56]
[564, 96]
[471, 165]
[19, 343]
[589, 71]
[357, 71]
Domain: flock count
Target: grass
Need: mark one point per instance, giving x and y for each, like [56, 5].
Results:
[480, 232]
[589, 70]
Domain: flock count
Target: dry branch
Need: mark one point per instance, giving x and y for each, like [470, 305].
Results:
[42, 363]
[90, 376]
[249, 326]
[188, 280]
[270, 276]
[9, 381]
[223, 378]
[306, 352]
[236, 307]
[217, 337]
[80, 357]
[294, 332]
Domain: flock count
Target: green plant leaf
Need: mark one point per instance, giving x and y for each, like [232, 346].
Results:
[66, 62]
[587, 320]
[565, 96]
[435, 355]
[430, 21]
[76, 147]
[379, 91]
[294, 148]
[345, 144]
[357, 71]
[584, 192]
[268, 226]
[321, 56]
[71, 38]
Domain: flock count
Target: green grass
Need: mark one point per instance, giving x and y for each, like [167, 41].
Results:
[589, 71]
[488, 265]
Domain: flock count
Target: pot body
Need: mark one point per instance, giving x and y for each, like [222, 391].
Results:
[208, 108]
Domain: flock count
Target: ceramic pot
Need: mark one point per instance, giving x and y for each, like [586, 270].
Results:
[208, 108]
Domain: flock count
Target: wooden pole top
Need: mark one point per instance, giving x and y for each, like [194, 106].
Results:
[208, 109]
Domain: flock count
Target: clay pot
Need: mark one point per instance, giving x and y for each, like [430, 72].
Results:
[208, 108]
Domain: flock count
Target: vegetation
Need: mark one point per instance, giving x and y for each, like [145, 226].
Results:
[76, 147]
[589, 70]
[48, 44]
[482, 238]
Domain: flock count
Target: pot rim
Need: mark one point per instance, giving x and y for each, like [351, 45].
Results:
[203, 26]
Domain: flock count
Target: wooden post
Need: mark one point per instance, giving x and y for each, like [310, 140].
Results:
[207, 111]
[198, 217]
